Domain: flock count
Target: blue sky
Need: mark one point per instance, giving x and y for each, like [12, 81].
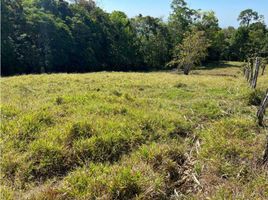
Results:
[226, 10]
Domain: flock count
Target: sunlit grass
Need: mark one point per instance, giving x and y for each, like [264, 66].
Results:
[131, 135]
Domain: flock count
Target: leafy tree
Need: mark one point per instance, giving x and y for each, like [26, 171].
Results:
[248, 41]
[78, 36]
[102, 38]
[209, 23]
[180, 19]
[45, 43]
[82, 28]
[226, 51]
[239, 44]
[12, 23]
[154, 41]
[124, 48]
[88, 4]
[247, 16]
[257, 34]
[190, 53]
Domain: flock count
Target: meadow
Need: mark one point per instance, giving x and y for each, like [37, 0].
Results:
[115, 135]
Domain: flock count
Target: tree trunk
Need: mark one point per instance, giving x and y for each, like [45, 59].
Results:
[186, 70]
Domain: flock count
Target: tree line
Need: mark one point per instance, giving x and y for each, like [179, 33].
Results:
[43, 36]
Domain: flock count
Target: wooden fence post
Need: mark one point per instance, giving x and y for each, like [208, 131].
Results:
[250, 70]
[256, 73]
[261, 111]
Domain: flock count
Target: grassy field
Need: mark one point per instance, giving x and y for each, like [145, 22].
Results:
[132, 136]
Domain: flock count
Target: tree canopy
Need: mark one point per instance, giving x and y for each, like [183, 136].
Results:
[58, 36]
[191, 51]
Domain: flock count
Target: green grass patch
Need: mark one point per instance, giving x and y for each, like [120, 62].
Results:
[132, 136]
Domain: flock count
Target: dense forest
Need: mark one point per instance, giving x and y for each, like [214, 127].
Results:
[43, 36]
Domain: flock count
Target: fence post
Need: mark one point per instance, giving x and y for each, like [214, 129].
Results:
[250, 70]
[256, 73]
[261, 110]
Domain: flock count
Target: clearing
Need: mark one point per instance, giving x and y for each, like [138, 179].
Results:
[114, 135]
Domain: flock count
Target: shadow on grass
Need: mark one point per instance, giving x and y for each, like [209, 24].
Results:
[218, 65]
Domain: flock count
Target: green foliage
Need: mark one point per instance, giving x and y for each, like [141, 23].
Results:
[44, 36]
[154, 41]
[247, 16]
[180, 20]
[191, 52]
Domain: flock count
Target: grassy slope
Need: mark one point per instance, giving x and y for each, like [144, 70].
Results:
[126, 135]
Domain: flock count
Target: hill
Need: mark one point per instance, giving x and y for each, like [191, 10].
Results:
[113, 135]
